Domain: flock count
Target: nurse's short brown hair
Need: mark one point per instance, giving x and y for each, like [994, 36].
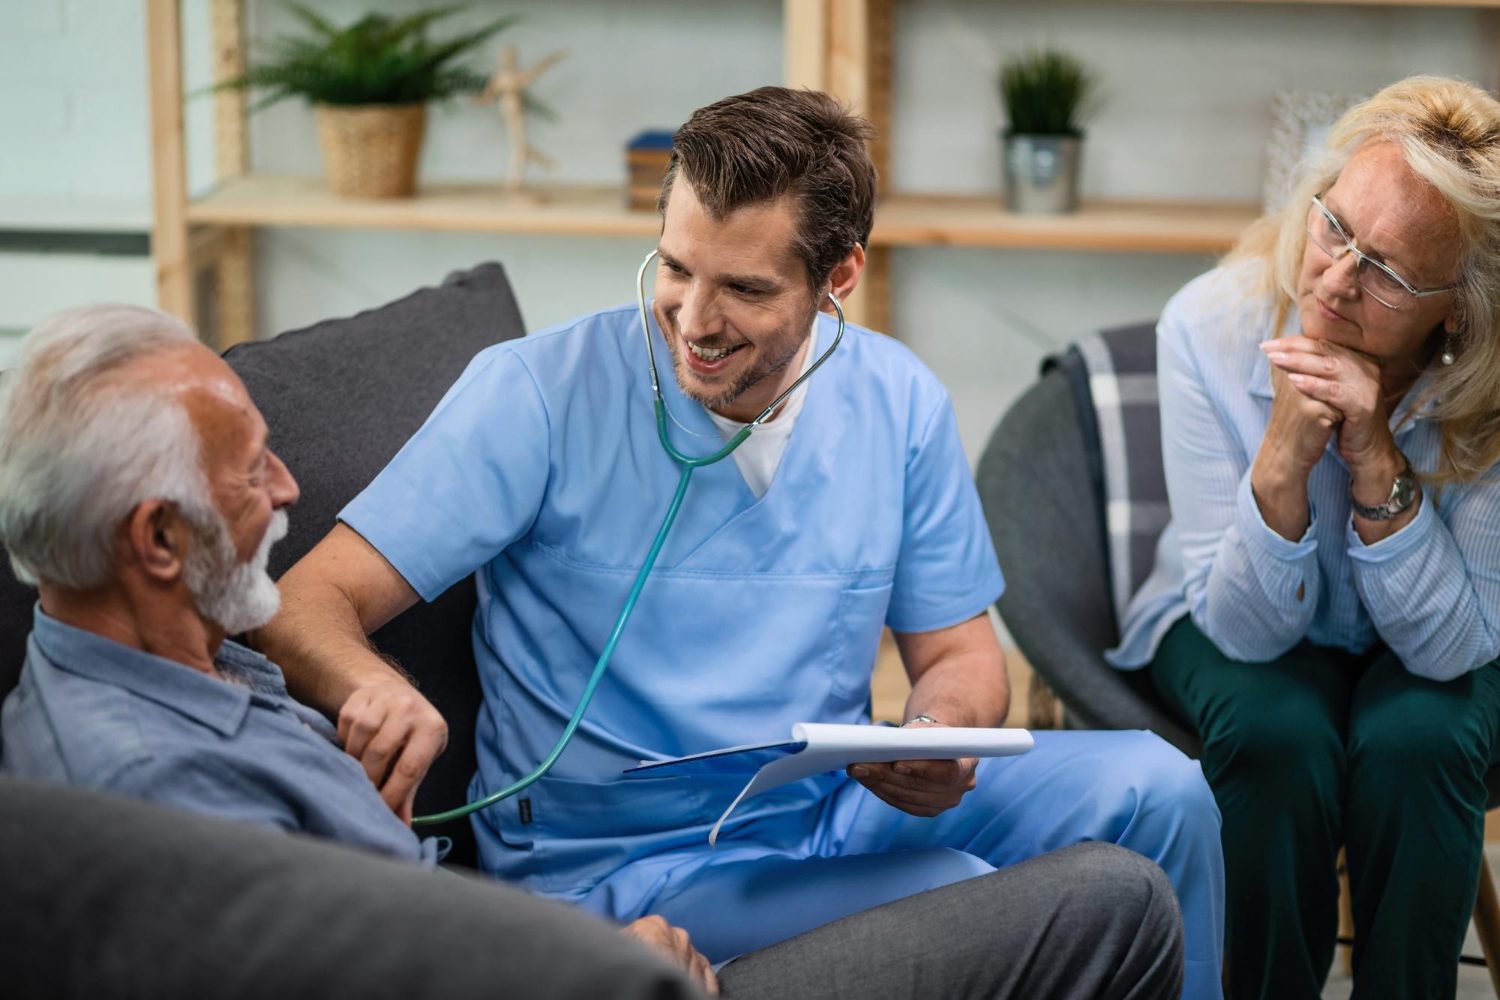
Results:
[776, 141]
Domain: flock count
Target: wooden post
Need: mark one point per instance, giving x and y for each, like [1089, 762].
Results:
[234, 276]
[1487, 922]
[805, 43]
[859, 72]
[1346, 913]
[169, 228]
[231, 151]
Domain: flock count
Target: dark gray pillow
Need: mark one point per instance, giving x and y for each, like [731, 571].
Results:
[16, 602]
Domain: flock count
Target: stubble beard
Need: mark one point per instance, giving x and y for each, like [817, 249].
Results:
[747, 380]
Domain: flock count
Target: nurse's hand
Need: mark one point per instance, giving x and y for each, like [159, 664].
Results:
[395, 734]
[919, 787]
[673, 944]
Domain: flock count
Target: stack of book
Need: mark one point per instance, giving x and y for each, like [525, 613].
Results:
[646, 159]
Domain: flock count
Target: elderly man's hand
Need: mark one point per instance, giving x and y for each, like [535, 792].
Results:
[673, 943]
[919, 787]
[395, 734]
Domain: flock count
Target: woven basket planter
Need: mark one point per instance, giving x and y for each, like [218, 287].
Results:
[371, 151]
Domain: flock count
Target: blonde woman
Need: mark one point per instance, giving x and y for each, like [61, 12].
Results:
[1325, 606]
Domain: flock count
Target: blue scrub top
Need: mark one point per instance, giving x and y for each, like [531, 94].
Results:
[541, 471]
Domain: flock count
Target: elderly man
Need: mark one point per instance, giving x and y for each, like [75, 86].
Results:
[849, 506]
[137, 491]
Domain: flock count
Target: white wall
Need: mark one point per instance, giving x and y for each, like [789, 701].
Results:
[74, 152]
[1189, 88]
[73, 100]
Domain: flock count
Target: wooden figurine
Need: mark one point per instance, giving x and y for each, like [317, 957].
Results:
[507, 88]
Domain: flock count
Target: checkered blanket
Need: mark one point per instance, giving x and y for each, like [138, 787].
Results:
[1113, 376]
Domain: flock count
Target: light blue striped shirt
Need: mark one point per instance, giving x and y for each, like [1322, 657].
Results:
[1430, 591]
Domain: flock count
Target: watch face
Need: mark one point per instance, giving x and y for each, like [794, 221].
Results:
[1402, 494]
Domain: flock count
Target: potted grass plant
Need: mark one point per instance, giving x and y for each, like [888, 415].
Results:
[369, 85]
[1047, 95]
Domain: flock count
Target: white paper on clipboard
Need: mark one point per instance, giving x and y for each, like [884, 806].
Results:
[816, 747]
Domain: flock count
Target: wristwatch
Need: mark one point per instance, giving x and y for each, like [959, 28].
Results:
[1403, 495]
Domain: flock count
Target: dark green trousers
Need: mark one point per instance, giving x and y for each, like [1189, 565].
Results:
[1321, 748]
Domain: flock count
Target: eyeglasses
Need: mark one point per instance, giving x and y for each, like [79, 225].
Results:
[1384, 285]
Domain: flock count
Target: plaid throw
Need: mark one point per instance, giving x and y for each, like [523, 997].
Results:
[1113, 375]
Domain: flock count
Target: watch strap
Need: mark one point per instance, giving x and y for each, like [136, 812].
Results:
[1403, 494]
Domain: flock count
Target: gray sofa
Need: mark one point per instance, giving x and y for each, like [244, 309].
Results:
[106, 898]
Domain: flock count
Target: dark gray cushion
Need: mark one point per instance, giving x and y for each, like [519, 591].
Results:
[15, 625]
[16, 602]
[112, 898]
[341, 398]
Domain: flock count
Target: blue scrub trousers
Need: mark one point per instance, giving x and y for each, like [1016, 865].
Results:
[769, 881]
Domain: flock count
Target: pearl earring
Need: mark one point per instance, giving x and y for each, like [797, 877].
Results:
[1447, 357]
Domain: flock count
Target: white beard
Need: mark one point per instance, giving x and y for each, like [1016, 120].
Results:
[237, 596]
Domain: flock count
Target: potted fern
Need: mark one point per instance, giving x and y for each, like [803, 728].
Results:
[369, 85]
[1047, 94]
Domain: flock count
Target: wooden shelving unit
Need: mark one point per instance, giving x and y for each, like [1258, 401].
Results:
[842, 46]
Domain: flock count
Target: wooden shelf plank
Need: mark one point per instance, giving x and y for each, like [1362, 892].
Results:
[901, 220]
[1142, 227]
[273, 200]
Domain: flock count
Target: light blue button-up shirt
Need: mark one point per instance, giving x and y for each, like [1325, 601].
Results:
[93, 713]
[1430, 591]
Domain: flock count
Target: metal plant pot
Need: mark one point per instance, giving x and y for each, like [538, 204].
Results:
[1041, 173]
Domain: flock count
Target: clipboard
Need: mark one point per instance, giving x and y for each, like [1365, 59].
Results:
[818, 747]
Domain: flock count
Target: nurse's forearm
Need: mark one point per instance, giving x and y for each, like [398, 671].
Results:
[331, 600]
[959, 694]
[317, 641]
[958, 674]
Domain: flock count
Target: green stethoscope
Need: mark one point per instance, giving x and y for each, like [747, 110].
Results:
[686, 465]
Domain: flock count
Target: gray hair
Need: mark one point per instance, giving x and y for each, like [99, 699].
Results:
[81, 447]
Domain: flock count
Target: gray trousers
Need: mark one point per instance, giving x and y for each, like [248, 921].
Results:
[1089, 921]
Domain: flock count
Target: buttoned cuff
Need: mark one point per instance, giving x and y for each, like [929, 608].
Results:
[1264, 539]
